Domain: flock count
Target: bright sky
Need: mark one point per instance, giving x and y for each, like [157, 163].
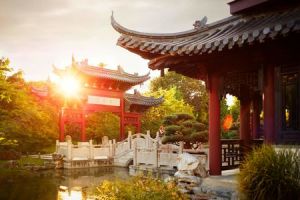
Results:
[35, 34]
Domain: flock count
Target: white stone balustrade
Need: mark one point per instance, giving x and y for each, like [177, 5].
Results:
[139, 148]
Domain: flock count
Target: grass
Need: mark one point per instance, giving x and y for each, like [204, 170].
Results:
[30, 161]
[269, 174]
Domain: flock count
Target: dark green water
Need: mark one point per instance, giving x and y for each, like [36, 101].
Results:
[77, 184]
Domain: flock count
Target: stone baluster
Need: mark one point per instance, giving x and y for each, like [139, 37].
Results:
[110, 148]
[180, 147]
[156, 156]
[148, 140]
[129, 140]
[91, 149]
[114, 146]
[157, 136]
[57, 147]
[69, 149]
[134, 153]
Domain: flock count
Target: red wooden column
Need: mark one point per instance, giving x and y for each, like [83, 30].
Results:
[138, 124]
[245, 103]
[61, 126]
[255, 118]
[122, 127]
[269, 105]
[83, 131]
[214, 136]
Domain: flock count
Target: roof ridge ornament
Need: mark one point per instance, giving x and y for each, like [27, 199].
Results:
[200, 23]
[120, 69]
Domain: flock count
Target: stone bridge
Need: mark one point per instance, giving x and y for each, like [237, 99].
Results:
[138, 149]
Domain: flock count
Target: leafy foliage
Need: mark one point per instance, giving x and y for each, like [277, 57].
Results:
[101, 124]
[139, 188]
[192, 91]
[152, 119]
[130, 128]
[29, 122]
[267, 174]
[183, 127]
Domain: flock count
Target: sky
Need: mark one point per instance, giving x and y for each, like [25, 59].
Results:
[36, 34]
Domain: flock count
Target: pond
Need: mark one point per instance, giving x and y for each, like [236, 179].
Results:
[73, 184]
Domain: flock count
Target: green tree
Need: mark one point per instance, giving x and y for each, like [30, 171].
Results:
[183, 127]
[101, 124]
[29, 122]
[192, 91]
[153, 118]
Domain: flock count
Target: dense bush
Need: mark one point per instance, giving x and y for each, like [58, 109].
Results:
[139, 188]
[267, 174]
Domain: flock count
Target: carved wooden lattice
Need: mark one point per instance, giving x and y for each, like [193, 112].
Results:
[231, 154]
[234, 81]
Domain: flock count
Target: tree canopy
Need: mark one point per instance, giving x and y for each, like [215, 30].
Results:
[153, 118]
[30, 122]
[192, 91]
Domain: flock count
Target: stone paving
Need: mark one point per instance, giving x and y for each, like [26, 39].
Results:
[218, 187]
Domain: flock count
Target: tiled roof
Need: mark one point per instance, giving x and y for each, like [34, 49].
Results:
[103, 73]
[138, 99]
[205, 38]
[41, 92]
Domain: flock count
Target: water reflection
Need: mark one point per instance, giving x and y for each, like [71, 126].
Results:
[74, 193]
[57, 185]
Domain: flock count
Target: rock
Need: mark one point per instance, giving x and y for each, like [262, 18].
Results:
[187, 162]
[191, 165]
[181, 177]
[169, 179]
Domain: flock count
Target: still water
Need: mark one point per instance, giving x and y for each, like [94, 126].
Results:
[76, 184]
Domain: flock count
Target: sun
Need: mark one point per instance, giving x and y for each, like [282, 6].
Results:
[69, 86]
[230, 100]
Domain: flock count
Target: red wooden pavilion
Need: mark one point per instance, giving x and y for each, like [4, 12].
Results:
[253, 54]
[103, 90]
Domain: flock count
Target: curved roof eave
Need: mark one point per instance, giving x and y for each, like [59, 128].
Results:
[113, 74]
[123, 30]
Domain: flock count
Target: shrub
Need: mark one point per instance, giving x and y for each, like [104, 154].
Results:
[184, 128]
[267, 174]
[139, 188]
[172, 129]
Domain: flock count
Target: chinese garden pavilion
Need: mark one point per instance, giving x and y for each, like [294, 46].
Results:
[253, 55]
[103, 90]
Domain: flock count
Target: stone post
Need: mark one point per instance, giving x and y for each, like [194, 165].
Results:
[129, 139]
[180, 147]
[149, 142]
[69, 149]
[134, 153]
[57, 147]
[114, 147]
[110, 148]
[156, 156]
[91, 149]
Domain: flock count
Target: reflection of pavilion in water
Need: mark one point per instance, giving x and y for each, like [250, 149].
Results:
[80, 183]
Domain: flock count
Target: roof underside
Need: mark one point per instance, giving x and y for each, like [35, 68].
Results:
[234, 31]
